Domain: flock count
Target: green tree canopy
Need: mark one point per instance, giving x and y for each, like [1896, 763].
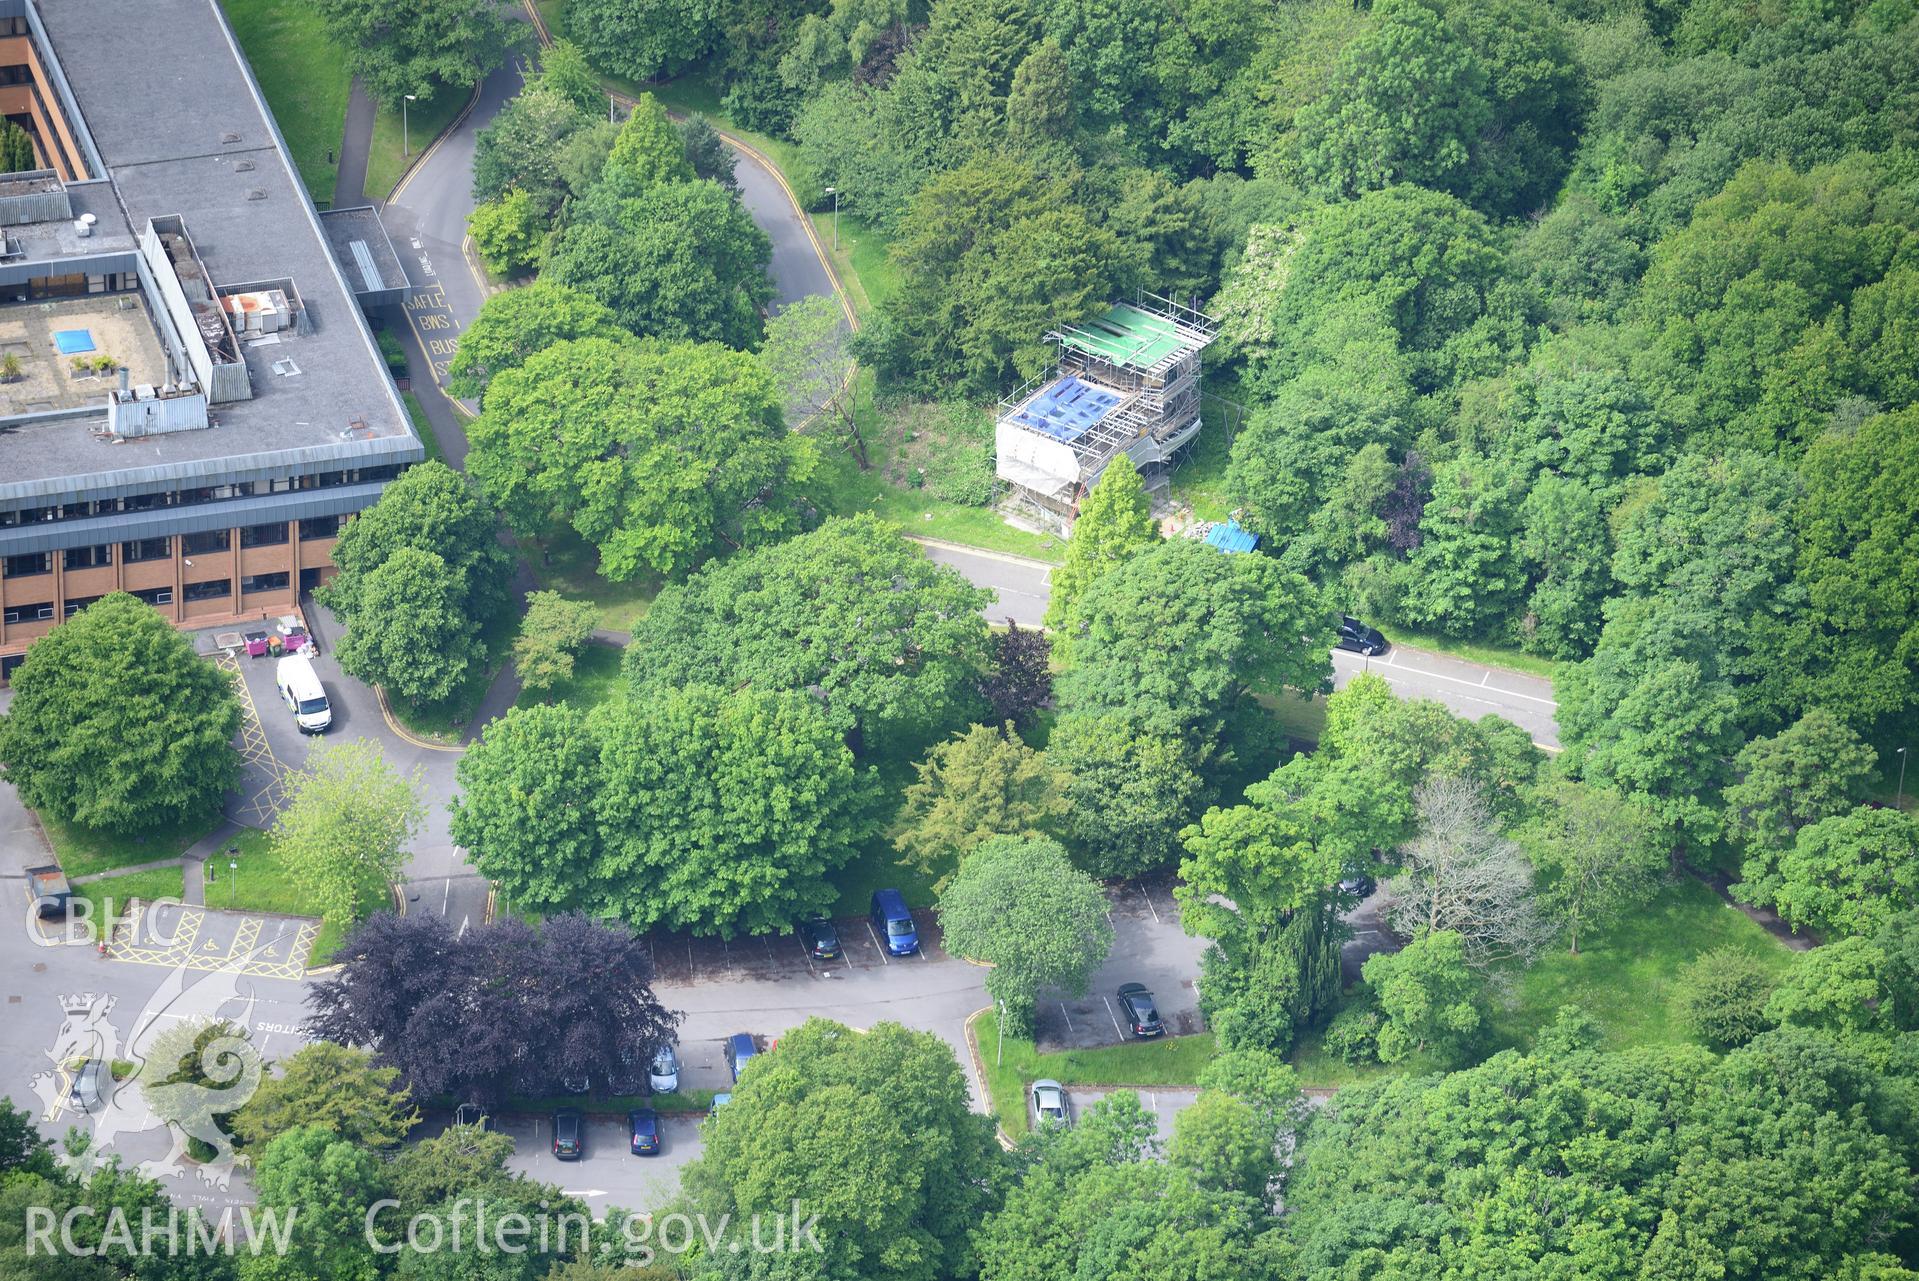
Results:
[345, 826]
[889, 641]
[326, 1183]
[337, 1088]
[116, 723]
[1131, 786]
[507, 233]
[1115, 520]
[678, 260]
[1852, 873]
[431, 508]
[1813, 769]
[1019, 904]
[1598, 854]
[400, 47]
[552, 633]
[525, 806]
[649, 151]
[522, 148]
[982, 783]
[642, 39]
[516, 324]
[1429, 998]
[657, 454]
[411, 629]
[874, 1133]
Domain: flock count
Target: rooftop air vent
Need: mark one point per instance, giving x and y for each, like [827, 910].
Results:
[257, 193]
[243, 166]
[229, 137]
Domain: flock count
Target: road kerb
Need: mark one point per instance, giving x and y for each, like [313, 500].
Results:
[413, 166]
[393, 723]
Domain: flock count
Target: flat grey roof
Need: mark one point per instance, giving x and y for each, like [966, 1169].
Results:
[182, 129]
[365, 253]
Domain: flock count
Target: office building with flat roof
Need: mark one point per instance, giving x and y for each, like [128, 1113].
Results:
[190, 399]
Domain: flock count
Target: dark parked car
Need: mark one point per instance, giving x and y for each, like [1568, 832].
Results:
[1359, 638]
[819, 938]
[87, 1082]
[569, 1135]
[643, 1128]
[1142, 1016]
[1359, 886]
[739, 1048]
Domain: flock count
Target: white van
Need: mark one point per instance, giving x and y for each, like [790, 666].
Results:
[300, 690]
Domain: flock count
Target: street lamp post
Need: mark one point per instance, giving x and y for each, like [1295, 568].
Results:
[1898, 801]
[835, 193]
[999, 1055]
[406, 138]
[233, 873]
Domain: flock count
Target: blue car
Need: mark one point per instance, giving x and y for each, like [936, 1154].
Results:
[739, 1048]
[643, 1128]
[893, 924]
[720, 1100]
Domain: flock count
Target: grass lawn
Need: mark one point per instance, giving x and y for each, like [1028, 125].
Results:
[1303, 719]
[263, 885]
[1322, 1071]
[596, 678]
[1624, 979]
[386, 160]
[422, 428]
[568, 565]
[862, 260]
[82, 851]
[1172, 1060]
[300, 71]
[115, 891]
[877, 864]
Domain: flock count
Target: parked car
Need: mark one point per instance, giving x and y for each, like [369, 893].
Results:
[663, 1074]
[1358, 886]
[1142, 1016]
[739, 1048]
[819, 938]
[85, 1093]
[49, 889]
[1049, 1103]
[569, 1135]
[643, 1128]
[1359, 638]
[720, 1100]
[300, 690]
[893, 923]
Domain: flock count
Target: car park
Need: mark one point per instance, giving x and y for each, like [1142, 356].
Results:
[893, 923]
[569, 1135]
[1359, 638]
[1049, 1103]
[1142, 1015]
[820, 939]
[643, 1131]
[739, 1048]
[663, 1073]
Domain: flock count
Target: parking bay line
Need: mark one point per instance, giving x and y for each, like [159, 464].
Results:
[1109, 1010]
[878, 944]
[1068, 1017]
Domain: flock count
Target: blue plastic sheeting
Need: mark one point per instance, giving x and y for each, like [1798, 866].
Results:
[72, 342]
[1067, 409]
[1231, 538]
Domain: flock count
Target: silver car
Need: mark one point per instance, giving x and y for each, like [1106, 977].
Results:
[663, 1074]
[1049, 1102]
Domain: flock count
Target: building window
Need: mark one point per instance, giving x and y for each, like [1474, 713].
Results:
[27, 564]
[75, 511]
[325, 480]
[28, 613]
[87, 557]
[206, 542]
[211, 589]
[146, 549]
[75, 606]
[10, 664]
[154, 595]
[25, 516]
[144, 502]
[263, 535]
[319, 527]
[264, 583]
[387, 472]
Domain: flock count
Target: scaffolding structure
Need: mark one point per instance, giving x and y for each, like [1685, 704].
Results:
[1127, 381]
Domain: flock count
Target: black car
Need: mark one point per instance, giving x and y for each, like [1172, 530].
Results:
[1142, 1016]
[643, 1128]
[569, 1136]
[1359, 638]
[85, 1093]
[819, 938]
[1358, 886]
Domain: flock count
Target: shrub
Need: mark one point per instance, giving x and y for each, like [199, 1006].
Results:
[945, 448]
[1721, 997]
[1353, 1035]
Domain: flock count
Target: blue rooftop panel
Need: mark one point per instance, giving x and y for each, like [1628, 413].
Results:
[1229, 537]
[1067, 409]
